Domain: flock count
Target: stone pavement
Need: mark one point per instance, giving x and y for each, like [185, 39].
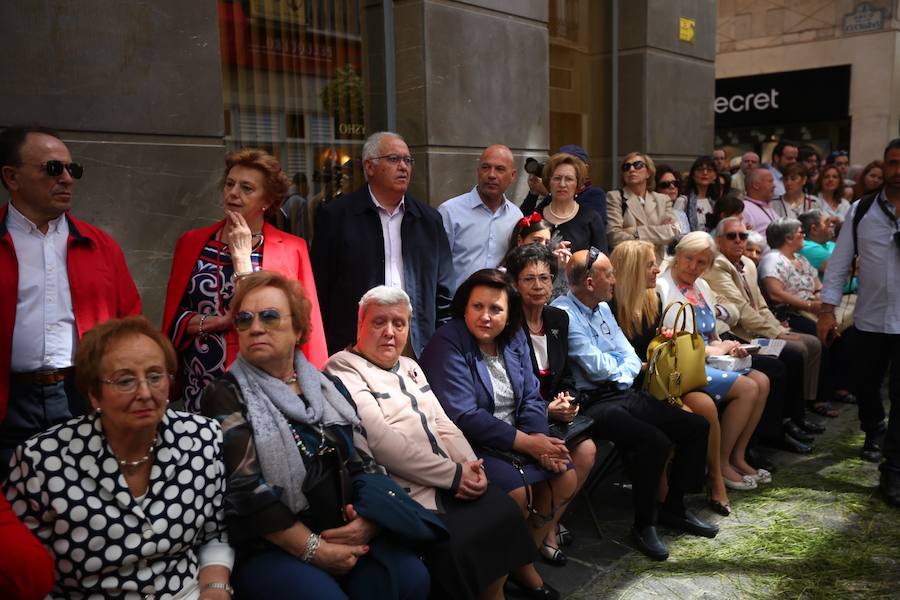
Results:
[765, 548]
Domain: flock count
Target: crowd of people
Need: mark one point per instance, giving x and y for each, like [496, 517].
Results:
[406, 407]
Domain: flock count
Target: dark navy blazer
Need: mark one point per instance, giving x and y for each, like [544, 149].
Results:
[460, 380]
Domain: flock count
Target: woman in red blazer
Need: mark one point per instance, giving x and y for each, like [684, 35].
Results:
[209, 261]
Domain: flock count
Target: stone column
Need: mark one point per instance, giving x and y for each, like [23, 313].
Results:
[666, 86]
[470, 74]
[135, 90]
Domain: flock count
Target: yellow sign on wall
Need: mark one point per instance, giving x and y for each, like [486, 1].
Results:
[686, 29]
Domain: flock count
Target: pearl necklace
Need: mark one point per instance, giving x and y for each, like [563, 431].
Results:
[133, 464]
[559, 218]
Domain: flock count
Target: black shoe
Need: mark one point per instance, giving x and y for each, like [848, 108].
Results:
[795, 431]
[810, 426]
[791, 444]
[647, 541]
[871, 450]
[688, 523]
[545, 592]
[758, 461]
[889, 486]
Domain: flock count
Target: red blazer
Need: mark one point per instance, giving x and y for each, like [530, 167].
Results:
[26, 569]
[282, 252]
[101, 285]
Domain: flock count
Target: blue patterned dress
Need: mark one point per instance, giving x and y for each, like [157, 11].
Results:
[719, 382]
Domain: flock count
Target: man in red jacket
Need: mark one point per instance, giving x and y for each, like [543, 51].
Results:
[59, 277]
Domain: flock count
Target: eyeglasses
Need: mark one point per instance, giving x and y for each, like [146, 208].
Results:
[544, 280]
[269, 318]
[55, 168]
[395, 159]
[733, 235]
[593, 254]
[664, 185]
[636, 165]
[562, 179]
[129, 384]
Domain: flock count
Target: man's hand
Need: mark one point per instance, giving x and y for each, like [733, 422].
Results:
[473, 482]
[826, 328]
[358, 531]
[536, 186]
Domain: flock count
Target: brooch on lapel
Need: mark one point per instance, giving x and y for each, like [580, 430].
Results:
[554, 332]
[413, 374]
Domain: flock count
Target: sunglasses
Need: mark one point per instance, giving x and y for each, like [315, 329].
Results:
[269, 318]
[55, 168]
[733, 235]
[664, 185]
[593, 254]
[636, 165]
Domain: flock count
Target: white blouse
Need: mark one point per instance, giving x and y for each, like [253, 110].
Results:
[66, 487]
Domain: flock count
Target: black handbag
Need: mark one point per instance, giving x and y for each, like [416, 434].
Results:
[573, 433]
[327, 486]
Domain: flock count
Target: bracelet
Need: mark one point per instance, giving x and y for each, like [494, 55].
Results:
[312, 544]
[238, 276]
[218, 585]
[200, 332]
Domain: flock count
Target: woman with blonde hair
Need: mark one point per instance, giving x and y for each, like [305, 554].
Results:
[636, 212]
[637, 307]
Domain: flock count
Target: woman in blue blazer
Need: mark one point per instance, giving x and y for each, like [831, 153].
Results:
[479, 367]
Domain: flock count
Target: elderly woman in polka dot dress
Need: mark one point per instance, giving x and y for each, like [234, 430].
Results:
[127, 499]
[744, 394]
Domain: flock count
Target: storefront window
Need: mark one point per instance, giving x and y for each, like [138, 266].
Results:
[294, 85]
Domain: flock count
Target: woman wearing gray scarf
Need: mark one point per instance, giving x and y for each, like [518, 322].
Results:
[284, 421]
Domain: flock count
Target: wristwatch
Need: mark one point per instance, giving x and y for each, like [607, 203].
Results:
[219, 585]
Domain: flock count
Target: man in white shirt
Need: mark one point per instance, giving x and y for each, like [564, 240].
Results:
[59, 276]
[876, 239]
[480, 222]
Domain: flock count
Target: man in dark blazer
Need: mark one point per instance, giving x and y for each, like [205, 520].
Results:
[378, 235]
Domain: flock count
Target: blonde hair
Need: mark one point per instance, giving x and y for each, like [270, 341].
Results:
[636, 305]
[651, 167]
[563, 158]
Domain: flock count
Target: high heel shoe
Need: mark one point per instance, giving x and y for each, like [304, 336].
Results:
[554, 556]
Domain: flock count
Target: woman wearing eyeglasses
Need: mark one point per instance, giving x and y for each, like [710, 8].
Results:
[564, 175]
[701, 192]
[300, 479]
[128, 499]
[636, 212]
[479, 367]
[210, 261]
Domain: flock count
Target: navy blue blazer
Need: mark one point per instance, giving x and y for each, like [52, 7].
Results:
[460, 380]
[348, 260]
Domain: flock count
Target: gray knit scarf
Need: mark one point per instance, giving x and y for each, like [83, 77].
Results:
[270, 403]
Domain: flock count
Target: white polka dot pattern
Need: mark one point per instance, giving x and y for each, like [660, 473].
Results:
[66, 487]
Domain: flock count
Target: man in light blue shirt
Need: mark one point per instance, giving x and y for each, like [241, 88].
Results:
[479, 223]
[876, 316]
[604, 366]
[784, 154]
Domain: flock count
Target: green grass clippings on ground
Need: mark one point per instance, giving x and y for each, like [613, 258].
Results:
[823, 533]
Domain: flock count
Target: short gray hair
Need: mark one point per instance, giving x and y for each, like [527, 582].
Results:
[372, 146]
[778, 231]
[756, 239]
[720, 228]
[697, 241]
[382, 295]
[810, 218]
[754, 176]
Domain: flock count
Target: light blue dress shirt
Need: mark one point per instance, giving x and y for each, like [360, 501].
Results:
[599, 351]
[878, 306]
[478, 237]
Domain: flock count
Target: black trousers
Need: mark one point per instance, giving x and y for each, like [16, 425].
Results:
[874, 354]
[647, 429]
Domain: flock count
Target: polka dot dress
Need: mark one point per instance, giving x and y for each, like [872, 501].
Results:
[65, 485]
[718, 382]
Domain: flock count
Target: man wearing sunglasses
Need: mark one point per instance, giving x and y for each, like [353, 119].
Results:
[59, 276]
[380, 235]
[604, 368]
[734, 277]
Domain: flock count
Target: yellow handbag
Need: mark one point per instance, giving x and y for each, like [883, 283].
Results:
[676, 365]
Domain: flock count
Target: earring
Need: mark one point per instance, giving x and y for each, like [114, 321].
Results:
[98, 411]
